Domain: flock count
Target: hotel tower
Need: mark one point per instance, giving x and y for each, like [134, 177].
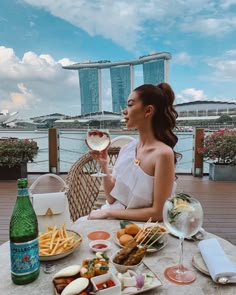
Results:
[155, 70]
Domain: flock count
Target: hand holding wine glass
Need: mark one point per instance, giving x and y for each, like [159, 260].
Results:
[98, 140]
[183, 217]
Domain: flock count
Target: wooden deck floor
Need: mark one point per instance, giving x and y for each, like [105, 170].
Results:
[217, 198]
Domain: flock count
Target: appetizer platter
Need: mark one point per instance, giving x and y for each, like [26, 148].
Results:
[140, 281]
[94, 276]
[151, 234]
[76, 279]
[57, 243]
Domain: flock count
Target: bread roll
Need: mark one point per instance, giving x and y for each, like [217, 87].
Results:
[76, 286]
[69, 271]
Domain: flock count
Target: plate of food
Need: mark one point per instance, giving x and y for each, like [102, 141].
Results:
[57, 243]
[151, 234]
[75, 279]
[139, 281]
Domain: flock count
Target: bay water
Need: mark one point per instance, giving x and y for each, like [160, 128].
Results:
[72, 147]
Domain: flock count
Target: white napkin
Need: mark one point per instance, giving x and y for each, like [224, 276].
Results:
[218, 263]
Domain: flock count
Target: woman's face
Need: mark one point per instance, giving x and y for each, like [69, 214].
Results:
[134, 113]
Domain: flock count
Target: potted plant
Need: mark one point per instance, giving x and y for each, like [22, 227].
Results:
[219, 148]
[14, 155]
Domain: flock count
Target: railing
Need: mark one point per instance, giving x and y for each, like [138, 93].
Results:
[59, 149]
[195, 162]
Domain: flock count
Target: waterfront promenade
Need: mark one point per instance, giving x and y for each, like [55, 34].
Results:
[218, 200]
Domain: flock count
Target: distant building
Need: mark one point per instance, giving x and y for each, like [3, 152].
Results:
[54, 116]
[103, 119]
[205, 110]
[6, 117]
[122, 81]
[155, 70]
[90, 89]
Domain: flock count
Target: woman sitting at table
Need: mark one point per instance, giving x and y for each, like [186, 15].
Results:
[144, 174]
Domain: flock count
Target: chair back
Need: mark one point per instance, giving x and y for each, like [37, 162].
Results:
[121, 140]
[82, 188]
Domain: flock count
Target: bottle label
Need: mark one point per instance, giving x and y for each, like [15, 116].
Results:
[22, 192]
[24, 257]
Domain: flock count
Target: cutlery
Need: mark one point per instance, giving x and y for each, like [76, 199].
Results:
[200, 235]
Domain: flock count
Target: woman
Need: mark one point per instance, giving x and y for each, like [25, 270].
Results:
[144, 174]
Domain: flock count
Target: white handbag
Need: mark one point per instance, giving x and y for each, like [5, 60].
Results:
[51, 208]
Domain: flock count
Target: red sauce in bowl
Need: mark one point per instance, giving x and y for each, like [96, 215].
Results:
[105, 285]
[99, 246]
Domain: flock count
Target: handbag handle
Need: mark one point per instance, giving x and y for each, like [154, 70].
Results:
[33, 185]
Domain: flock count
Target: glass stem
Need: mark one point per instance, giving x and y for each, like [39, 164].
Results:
[181, 265]
[99, 169]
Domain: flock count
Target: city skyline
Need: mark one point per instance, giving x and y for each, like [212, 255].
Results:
[122, 76]
[37, 38]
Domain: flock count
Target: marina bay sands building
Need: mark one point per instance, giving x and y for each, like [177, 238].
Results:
[122, 75]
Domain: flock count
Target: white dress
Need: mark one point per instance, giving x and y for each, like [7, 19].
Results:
[133, 187]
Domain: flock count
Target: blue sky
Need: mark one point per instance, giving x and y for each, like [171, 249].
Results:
[38, 37]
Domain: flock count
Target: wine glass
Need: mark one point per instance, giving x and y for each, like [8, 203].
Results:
[98, 140]
[183, 217]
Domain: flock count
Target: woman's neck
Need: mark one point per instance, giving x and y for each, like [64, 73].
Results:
[146, 138]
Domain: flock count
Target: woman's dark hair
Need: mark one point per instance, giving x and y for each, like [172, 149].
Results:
[162, 97]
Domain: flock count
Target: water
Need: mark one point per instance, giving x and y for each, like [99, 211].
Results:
[188, 221]
[72, 147]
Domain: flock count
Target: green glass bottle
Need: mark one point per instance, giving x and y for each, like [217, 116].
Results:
[24, 238]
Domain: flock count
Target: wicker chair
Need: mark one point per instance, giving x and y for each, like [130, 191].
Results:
[83, 189]
[121, 140]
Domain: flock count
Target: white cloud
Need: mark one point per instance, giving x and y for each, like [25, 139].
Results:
[190, 94]
[125, 22]
[210, 26]
[231, 52]
[37, 84]
[182, 58]
[225, 4]
[223, 69]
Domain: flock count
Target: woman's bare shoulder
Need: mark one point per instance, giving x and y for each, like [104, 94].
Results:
[162, 149]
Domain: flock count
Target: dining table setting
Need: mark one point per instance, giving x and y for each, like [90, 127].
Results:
[211, 259]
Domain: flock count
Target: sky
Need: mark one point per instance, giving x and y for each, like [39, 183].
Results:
[38, 37]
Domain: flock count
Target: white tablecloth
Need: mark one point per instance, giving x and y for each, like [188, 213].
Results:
[157, 261]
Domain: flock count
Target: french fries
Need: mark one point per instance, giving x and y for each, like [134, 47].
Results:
[57, 240]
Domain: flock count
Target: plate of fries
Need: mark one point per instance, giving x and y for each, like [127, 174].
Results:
[57, 243]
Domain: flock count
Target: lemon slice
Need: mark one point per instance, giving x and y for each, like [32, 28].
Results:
[185, 206]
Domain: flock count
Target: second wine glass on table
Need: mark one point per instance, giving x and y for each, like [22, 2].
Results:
[183, 217]
[98, 140]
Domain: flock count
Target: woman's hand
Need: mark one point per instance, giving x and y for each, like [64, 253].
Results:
[98, 214]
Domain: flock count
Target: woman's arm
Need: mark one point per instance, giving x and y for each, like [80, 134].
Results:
[163, 183]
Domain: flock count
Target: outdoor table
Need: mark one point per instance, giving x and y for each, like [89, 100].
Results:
[156, 261]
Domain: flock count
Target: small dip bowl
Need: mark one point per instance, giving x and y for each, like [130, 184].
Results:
[98, 235]
[100, 245]
[109, 290]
